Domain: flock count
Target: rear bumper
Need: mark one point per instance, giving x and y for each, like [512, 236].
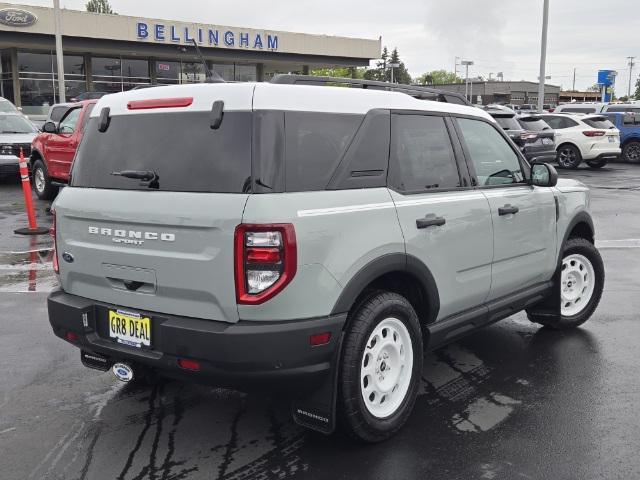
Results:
[602, 151]
[241, 355]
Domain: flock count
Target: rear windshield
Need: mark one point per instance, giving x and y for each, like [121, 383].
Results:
[599, 122]
[181, 148]
[534, 124]
[508, 123]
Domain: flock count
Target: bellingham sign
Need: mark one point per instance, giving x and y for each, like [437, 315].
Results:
[212, 37]
[16, 17]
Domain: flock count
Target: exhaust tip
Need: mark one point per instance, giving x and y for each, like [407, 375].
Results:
[123, 372]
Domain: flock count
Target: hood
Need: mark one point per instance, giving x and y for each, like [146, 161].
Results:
[9, 138]
[567, 185]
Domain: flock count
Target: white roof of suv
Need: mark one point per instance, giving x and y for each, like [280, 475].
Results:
[266, 96]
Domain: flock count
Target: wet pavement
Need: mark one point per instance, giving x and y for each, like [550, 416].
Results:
[511, 401]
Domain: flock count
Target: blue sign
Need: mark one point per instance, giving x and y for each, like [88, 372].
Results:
[606, 77]
[211, 37]
[16, 17]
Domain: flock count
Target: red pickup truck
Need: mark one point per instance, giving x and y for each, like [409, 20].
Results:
[52, 151]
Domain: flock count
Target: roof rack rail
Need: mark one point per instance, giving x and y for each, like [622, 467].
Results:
[416, 91]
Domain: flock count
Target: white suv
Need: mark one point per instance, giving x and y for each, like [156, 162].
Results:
[592, 138]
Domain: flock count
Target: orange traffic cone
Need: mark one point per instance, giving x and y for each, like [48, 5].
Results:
[33, 228]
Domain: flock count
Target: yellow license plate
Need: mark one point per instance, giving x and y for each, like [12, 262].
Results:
[130, 328]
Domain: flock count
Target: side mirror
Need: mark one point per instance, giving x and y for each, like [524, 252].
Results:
[49, 127]
[543, 175]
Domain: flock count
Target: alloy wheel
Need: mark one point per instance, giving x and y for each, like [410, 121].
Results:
[577, 284]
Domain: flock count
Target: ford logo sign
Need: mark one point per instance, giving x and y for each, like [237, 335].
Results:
[123, 372]
[16, 17]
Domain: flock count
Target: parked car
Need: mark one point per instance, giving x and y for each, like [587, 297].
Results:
[622, 108]
[514, 107]
[53, 150]
[88, 96]
[629, 126]
[314, 237]
[536, 143]
[7, 106]
[579, 108]
[16, 133]
[592, 138]
[528, 108]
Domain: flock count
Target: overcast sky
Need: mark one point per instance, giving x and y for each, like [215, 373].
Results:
[498, 35]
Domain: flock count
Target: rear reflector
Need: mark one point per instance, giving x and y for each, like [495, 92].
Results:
[319, 339]
[263, 255]
[159, 103]
[189, 364]
[72, 336]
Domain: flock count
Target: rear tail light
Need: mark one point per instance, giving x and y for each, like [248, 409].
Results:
[52, 232]
[593, 133]
[265, 261]
[188, 364]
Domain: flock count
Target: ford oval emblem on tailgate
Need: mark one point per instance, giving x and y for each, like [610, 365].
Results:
[67, 257]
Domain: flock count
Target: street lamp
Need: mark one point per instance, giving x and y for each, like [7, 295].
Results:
[58, 34]
[543, 54]
[392, 66]
[466, 64]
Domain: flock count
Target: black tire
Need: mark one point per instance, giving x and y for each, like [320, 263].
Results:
[631, 152]
[354, 417]
[42, 184]
[585, 248]
[568, 156]
[596, 163]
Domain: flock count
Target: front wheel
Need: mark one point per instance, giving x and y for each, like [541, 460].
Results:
[569, 156]
[581, 285]
[42, 183]
[596, 163]
[381, 367]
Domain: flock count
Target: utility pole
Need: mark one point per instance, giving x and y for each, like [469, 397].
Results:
[574, 79]
[466, 64]
[59, 58]
[543, 54]
[631, 65]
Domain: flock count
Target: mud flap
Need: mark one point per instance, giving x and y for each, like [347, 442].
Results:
[317, 409]
[549, 308]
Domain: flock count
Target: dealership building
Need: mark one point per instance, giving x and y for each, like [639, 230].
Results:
[512, 92]
[113, 53]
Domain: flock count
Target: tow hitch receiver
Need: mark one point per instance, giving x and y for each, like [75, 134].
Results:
[95, 361]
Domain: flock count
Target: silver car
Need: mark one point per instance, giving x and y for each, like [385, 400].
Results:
[16, 133]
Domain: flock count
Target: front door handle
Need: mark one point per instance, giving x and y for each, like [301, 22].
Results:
[507, 209]
[430, 221]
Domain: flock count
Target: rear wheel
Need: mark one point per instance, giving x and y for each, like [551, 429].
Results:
[631, 152]
[42, 182]
[569, 156]
[596, 163]
[581, 285]
[381, 367]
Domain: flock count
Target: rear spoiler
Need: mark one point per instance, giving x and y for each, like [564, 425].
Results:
[416, 91]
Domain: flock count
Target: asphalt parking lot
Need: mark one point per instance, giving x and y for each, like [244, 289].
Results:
[512, 401]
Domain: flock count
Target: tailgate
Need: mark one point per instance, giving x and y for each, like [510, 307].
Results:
[168, 252]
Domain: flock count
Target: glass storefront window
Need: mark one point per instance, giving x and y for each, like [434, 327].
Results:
[167, 73]
[135, 72]
[245, 73]
[192, 72]
[6, 77]
[225, 71]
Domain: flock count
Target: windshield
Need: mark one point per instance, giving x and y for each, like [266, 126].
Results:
[16, 124]
[534, 124]
[177, 152]
[508, 123]
[7, 107]
[599, 122]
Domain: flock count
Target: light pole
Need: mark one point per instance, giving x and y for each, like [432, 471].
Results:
[631, 65]
[543, 53]
[59, 59]
[466, 64]
[392, 66]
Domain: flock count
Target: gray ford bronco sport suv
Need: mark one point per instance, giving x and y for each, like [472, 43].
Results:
[317, 239]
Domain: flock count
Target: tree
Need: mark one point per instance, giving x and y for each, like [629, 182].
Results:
[438, 77]
[382, 72]
[596, 87]
[100, 6]
[637, 93]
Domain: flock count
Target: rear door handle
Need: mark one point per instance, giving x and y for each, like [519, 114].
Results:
[430, 221]
[507, 209]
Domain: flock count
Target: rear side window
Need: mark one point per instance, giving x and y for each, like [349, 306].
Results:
[558, 122]
[580, 109]
[57, 113]
[623, 108]
[422, 157]
[599, 122]
[508, 123]
[314, 145]
[534, 124]
[631, 120]
[494, 161]
[181, 148]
